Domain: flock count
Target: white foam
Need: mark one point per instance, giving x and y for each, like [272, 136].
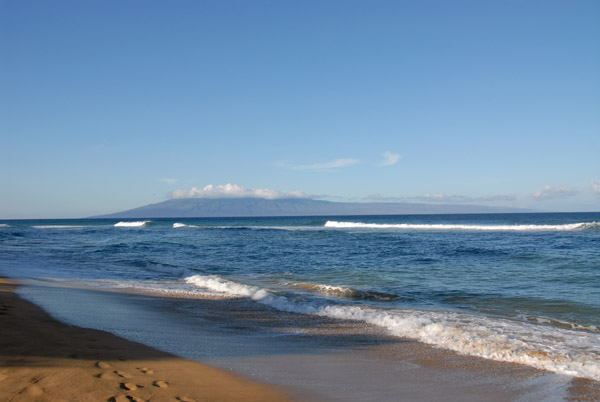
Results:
[325, 289]
[135, 224]
[164, 286]
[566, 351]
[4, 225]
[226, 287]
[178, 225]
[408, 226]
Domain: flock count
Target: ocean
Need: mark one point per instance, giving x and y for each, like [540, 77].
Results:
[522, 288]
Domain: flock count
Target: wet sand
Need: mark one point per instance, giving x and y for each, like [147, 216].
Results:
[42, 359]
[311, 358]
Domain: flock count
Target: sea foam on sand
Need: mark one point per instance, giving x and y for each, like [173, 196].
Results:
[561, 350]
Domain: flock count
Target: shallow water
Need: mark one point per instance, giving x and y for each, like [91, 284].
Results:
[315, 359]
[512, 287]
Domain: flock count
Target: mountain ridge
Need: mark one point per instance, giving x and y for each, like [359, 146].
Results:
[258, 207]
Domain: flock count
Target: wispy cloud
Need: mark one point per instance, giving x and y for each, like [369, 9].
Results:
[235, 191]
[324, 166]
[168, 180]
[390, 158]
[596, 186]
[550, 192]
[441, 198]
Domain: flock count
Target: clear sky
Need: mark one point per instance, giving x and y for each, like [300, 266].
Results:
[109, 105]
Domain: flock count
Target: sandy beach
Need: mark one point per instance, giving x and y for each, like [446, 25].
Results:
[42, 359]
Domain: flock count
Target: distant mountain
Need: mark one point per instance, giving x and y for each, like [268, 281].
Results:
[248, 207]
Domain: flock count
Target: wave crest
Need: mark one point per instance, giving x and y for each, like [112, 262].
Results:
[491, 228]
[226, 287]
[344, 291]
[135, 224]
[178, 225]
[565, 351]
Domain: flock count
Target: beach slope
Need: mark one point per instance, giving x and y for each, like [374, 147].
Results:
[42, 359]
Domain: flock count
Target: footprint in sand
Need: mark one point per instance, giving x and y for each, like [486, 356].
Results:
[129, 386]
[34, 390]
[146, 370]
[107, 376]
[122, 374]
[118, 398]
[125, 398]
[103, 365]
[185, 399]
[160, 384]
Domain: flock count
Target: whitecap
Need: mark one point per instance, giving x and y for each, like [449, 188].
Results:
[178, 225]
[409, 226]
[135, 224]
[224, 286]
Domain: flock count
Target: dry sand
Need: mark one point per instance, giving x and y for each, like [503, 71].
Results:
[42, 359]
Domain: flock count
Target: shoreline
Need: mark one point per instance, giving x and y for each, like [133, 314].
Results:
[309, 358]
[42, 359]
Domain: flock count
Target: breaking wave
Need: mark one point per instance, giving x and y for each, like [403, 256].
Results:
[561, 350]
[226, 287]
[135, 224]
[343, 291]
[178, 225]
[408, 226]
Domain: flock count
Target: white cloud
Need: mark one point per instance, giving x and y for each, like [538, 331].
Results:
[390, 159]
[596, 186]
[549, 192]
[325, 166]
[168, 180]
[235, 191]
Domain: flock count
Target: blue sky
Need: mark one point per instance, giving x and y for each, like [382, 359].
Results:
[110, 105]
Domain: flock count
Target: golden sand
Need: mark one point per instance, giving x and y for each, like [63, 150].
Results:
[42, 359]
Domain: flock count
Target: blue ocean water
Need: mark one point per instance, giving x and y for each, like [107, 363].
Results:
[514, 287]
